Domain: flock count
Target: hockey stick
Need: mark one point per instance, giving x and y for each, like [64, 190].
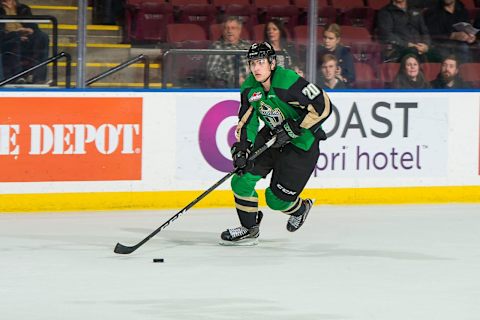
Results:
[122, 249]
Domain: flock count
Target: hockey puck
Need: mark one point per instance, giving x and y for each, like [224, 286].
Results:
[158, 260]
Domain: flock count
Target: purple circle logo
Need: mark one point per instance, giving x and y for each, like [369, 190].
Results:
[208, 134]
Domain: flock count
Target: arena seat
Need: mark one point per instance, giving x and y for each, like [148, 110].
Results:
[469, 4]
[344, 5]
[268, 3]
[325, 16]
[149, 21]
[287, 14]
[179, 32]
[303, 4]
[352, 34]
[203, 15]
[377, 4]
[470, 72]
[366, 77]
[181, 3]
[300, 35]
[388, 71]
[431, 70]
[359, 17]
[224, 3]
[300, 38]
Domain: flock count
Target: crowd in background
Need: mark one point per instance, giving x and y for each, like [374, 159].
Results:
[408, 33]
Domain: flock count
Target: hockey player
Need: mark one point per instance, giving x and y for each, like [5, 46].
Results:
[293, 110]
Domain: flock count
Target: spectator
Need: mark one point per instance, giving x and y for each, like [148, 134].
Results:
[403, 31]
[22, 43]
[331, 45]
[276, 35]
[440, 20]
[448, 78]
[221, 68]
[410, 75]
[329, 70]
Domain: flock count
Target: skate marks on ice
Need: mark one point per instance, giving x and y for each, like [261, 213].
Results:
[237, 308]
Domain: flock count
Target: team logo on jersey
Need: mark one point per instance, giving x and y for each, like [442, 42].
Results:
[255, 97]
[273, 116]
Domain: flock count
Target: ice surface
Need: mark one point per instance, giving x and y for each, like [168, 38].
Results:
[347, 262]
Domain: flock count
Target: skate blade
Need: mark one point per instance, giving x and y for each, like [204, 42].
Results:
[241, 243]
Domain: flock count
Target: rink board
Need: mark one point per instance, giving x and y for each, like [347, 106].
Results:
[67, 150]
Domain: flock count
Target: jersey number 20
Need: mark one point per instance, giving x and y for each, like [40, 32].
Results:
[311, 91]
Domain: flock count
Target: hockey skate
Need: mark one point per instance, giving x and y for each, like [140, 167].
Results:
[242, 236]
[295, 222]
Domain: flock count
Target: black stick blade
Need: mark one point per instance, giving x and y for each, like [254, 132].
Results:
[121, 249]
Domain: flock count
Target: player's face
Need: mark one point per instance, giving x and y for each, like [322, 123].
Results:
[261, 69]
[273, 32]
[328, 69]
[449, 69]
[330, 40]
[412, 68]
[232, 31]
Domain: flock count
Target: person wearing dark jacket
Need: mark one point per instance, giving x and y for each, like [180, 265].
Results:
[446, 38]
[449, 77]
[331, 45]
[402, 30]
[22, 43]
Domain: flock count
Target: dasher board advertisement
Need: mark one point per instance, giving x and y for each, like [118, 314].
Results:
[70, 139]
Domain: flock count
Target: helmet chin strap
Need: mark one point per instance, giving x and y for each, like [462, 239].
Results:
[267, 77]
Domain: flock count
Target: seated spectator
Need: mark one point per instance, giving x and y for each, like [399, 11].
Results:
[440, 20]
[331, 45]
[221, 68]
[276, 35]
[449, 77]
[402, 30]
[328, 73]
[410, 75]
[23, 44]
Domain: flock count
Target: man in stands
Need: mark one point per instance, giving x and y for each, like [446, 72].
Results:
[22, 43]
[221, 68]
[403, 31]
[448, 78]
[328, 73]
[446, 38]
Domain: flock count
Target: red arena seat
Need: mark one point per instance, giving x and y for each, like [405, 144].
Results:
[149, 21]
[388, 71]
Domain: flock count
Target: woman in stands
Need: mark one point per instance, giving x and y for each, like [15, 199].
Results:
[331, 45]
[276, 35]
[410, 75]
